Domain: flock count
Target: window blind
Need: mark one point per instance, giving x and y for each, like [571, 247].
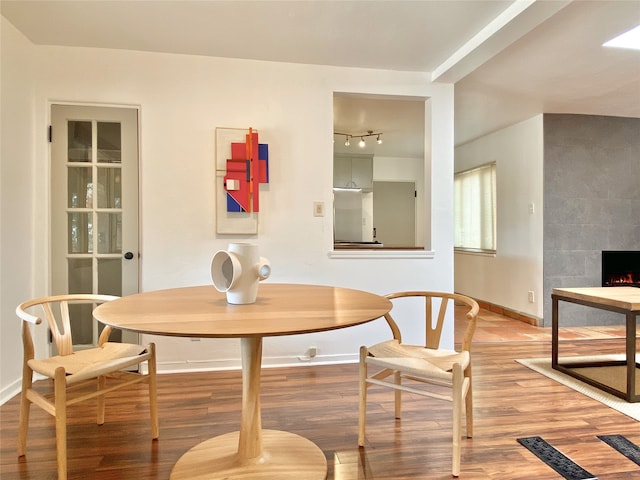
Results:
[475, 208]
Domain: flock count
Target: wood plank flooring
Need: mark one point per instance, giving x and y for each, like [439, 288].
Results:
[320, 403]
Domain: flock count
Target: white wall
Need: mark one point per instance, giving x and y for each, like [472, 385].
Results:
[506, 278]
[182, 100]
[16, 197]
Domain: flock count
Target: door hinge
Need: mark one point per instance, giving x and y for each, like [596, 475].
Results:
[50, 133]
[415, 194]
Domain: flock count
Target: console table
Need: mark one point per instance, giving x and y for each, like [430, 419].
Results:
[624, 300]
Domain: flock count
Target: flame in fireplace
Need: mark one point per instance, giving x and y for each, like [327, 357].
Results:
[623, 279]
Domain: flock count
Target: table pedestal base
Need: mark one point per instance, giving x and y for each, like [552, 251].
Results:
[284, 456]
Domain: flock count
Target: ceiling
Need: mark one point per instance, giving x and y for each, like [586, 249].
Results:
[509, 60]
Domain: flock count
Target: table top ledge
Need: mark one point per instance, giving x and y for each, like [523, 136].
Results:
[627, 298]
[280, 309]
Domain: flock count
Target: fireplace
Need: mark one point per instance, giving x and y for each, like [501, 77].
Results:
[621, 268]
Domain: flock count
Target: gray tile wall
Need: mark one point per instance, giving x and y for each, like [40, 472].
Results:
[591, 203]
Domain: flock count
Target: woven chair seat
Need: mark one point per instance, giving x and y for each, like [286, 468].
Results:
[420, 358]
[84, 364]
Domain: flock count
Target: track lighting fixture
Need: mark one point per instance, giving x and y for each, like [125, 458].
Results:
[361, 143]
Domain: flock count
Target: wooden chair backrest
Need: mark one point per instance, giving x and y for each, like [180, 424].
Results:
[56, 312]
[434, 320]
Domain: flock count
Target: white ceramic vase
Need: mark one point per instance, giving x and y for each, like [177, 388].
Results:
[237, 272]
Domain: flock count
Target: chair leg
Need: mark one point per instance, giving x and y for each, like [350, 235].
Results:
[102, 381]
[397, 378]
[25, 406]
[60, 391]
[362, 405]
[469, 403]
[153, 392]
[457, 418]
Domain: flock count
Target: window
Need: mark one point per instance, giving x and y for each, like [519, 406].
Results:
[475, 209]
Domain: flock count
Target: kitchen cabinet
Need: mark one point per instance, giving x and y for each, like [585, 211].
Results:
[353, 171]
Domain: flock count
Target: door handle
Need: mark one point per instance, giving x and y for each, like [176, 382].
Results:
[128, 255]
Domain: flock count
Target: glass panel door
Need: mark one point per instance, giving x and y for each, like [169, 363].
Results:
[94, 208]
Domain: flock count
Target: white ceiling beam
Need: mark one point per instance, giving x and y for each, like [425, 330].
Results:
[517, 20]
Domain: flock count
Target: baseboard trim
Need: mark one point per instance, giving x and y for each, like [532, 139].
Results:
[267, 362]
[10, 391]
[507, 312]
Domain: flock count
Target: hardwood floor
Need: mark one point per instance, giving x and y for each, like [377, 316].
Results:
[320, 403]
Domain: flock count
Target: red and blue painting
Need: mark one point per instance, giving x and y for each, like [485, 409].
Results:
[247, 168]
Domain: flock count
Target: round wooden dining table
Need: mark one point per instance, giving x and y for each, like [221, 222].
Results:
[280, 309]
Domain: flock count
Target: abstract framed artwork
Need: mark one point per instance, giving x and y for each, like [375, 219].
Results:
[242, 165]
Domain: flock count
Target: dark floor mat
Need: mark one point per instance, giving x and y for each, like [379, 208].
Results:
[555, 459]
[622, 444]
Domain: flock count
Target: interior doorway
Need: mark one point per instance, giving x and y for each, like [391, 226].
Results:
[394, 213]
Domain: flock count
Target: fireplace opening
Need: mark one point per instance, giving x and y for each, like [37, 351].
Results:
[621, 268]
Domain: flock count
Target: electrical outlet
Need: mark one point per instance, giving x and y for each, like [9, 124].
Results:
[532, 298]
[309, 354]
